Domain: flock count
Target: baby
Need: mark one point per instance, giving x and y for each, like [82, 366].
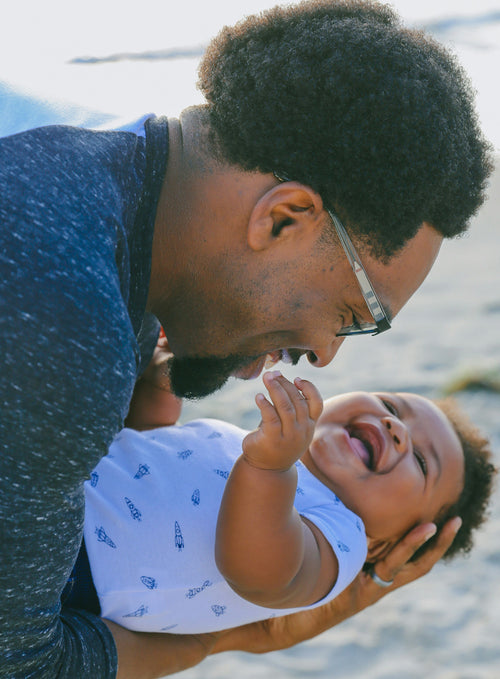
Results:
[204, 526]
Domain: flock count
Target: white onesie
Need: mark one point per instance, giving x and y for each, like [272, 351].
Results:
[150, 520]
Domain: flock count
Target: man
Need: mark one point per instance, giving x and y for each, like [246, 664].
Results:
[231, 228]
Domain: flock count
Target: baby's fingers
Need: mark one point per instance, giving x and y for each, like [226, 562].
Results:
[268, 412]
[287, 399]
[311, 396]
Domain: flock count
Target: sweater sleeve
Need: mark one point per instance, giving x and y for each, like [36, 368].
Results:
[69, 363]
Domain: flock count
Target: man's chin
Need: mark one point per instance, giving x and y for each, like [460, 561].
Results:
[196, 392]
[252, 370]
[197, 377]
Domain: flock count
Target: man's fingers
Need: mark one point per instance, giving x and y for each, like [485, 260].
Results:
[443, 541]
[394, 562]
[396, 565]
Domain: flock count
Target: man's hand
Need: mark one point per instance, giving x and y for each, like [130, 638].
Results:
[279, 633]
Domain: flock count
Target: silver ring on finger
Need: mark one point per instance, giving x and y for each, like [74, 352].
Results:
[378, 581]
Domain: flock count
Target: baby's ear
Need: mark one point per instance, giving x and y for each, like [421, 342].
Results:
[377, 549]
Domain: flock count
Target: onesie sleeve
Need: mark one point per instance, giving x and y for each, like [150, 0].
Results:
[345, 533]
[343, 529]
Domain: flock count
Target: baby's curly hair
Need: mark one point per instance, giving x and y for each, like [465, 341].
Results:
[337, 94]
[479, 474]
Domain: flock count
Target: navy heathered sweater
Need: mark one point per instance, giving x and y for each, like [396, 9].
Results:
[77, 212]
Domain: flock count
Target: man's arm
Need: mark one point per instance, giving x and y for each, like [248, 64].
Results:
[146, 655]
[68, 369]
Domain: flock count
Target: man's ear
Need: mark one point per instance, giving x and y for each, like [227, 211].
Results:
[289, 210]
[377, 549]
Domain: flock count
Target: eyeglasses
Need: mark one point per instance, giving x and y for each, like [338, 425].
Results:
[381, 322]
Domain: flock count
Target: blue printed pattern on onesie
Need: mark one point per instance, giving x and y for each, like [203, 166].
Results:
[193, 591]
[103, 537]
[142, 610]
[184, 454]
[218, 610]
[134, 512]
[149, 582]
[195, 497]
[179, 539]
[143, 470]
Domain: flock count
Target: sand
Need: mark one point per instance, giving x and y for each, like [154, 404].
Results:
[447, 625]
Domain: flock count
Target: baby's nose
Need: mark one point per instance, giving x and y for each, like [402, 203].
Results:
[398, 433]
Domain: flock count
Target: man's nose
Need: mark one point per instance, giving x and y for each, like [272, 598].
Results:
[321, 357]
[398, 433]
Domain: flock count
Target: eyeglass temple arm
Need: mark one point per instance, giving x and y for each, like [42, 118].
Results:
[369, 293]
[359, 271]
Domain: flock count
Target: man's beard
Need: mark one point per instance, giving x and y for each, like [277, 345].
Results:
[196, 377]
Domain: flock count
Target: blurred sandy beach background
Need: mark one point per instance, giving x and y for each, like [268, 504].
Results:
[100, 62]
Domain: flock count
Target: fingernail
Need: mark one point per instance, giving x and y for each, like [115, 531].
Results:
[273, 374]
[430, 533]
[458, 524]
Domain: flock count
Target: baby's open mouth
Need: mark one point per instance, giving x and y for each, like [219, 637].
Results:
[366, 443]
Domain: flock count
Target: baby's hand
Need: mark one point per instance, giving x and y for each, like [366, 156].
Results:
[287, 424]
[153, 404]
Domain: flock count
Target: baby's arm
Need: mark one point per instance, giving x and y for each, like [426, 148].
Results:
[153, 404]
[266, 551]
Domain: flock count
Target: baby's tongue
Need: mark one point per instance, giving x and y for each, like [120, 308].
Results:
[361, 450]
